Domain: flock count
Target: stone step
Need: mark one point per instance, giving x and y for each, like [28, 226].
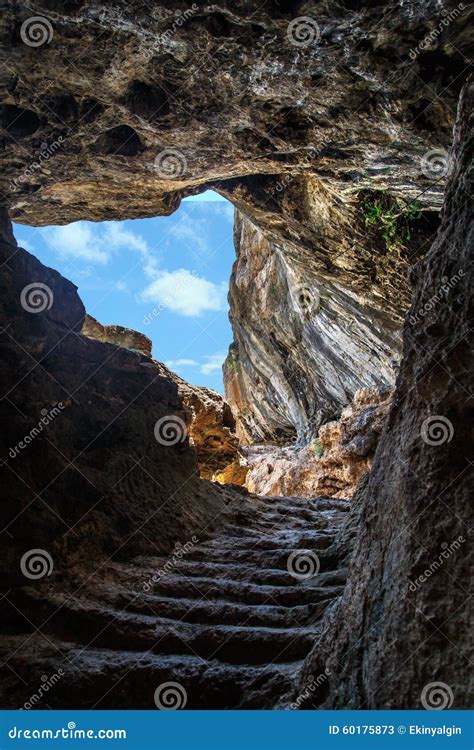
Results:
[259, 573]
[237, 644]
[304, 592]
[107, 679]
[221, 612]
[288, 539]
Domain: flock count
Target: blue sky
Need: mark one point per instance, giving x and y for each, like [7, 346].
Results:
[167, 277]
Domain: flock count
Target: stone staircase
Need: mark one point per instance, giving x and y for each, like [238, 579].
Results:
[227, 623]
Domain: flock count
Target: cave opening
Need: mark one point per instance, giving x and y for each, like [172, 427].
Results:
[164, 279]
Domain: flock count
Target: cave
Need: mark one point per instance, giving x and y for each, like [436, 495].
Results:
[302, 541]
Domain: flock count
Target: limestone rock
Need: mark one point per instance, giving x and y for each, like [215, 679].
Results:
[332, 464]
[118, 335]
[209, 421]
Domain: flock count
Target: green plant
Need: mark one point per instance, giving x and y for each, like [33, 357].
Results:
[318, 447]
[232, 359]
[391, 218]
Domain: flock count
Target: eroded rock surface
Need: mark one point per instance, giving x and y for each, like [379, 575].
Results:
[295, 134]
[117, 335]
[332, 464]
[225, 618]
[85, 467]
[403, 621]
[208, 421]
[303, 344]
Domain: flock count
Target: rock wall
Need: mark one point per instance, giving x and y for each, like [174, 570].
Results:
[209, 421]
[94, 444]
[303, 344]
[117, 335]
[403, 621]
[332, 464]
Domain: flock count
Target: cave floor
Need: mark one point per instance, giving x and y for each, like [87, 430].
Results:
[225, 619]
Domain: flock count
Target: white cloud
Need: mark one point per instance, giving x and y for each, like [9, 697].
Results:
[96, 243]
[172, 363]
[77, 241]
[186, 293]
[193, 232]
[214, 362]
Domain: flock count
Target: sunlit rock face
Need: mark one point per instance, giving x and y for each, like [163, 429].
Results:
[118, 335]
[332, 464]
[303, 344]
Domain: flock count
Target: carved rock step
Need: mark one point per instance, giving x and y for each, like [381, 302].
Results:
[247, 593]
[252, 573]
[99, 628]
[226, 620]
[98, 678]
[216, 611]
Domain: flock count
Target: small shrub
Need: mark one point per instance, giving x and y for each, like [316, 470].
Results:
[391, 218]
[318, 447]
